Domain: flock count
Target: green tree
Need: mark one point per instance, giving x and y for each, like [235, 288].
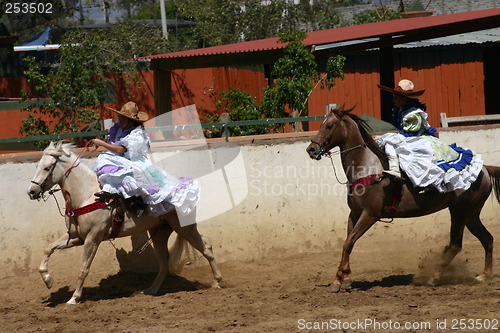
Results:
[70, 93]
[325, 14]
[297, 77]
[230, 21]
[241, 106]
[217, 20]
[259, 21]
[379, 13]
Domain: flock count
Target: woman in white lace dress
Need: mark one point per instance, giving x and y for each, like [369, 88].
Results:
[125, 170]
[426, 160]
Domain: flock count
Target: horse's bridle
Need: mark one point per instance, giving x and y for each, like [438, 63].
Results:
[322, 149]
[66, 173]
[51, 171]
[323, 152]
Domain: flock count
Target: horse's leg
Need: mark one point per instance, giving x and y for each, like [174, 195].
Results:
[63, 242]
[477, 228]
[351, 222]
[459, 216]
[90, 247]
[160, 237]
[359, 228]
[190, 233]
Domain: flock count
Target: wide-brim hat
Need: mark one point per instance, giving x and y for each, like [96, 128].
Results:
[131, 111]
[404, 88]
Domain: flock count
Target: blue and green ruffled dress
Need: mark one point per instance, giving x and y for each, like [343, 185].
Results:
[428, 161]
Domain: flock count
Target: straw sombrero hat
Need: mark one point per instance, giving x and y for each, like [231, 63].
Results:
[131, 111]
[404, 88]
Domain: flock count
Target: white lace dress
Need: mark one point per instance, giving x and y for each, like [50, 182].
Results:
[428, 161]
[133, 174]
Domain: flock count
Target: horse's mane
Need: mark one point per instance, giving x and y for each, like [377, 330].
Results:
[365, 129]
[60, 148]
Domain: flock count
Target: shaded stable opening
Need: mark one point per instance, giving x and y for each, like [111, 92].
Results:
[491, 81]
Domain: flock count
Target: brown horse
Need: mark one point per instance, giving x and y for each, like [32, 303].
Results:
[371, 195]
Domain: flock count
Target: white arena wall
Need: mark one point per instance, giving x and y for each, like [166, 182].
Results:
[262, 197]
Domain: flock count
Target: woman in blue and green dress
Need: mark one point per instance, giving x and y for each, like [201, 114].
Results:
[426, 160]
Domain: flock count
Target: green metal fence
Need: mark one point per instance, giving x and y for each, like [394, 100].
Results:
[26, 143]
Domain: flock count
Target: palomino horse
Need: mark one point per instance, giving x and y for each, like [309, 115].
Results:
[60, 165]
[371, 195]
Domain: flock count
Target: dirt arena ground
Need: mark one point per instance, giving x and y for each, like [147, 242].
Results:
[288, 294]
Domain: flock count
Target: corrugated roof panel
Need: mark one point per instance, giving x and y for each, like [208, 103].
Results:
[344, 34]
[475, 37]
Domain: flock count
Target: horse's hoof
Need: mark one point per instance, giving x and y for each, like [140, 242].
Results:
[346, 285]
[432, 282]
[482, 278]
[49, 281]
[71, 303]
[335, 288]
[149, 292]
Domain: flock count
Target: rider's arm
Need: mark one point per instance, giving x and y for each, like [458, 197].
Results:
[113, 148]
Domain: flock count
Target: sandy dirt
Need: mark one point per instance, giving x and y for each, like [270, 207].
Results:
[289, 294]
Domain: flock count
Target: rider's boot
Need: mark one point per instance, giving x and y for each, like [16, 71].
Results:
[136, 204]
[394, 172]
[106, 195]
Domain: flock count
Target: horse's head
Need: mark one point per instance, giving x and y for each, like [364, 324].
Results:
[50, 169]
[332, 133]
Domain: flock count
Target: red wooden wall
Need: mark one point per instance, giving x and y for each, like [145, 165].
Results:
[202, 86]
[453, 79]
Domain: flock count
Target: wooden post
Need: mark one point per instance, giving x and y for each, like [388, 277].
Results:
[386, 64]
[163, 91]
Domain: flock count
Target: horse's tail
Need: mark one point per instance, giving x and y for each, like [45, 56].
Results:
[494, 173]
[181, 252]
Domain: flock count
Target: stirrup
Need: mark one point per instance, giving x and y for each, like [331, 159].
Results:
[139, 212]
[423, 190]
[136, 204]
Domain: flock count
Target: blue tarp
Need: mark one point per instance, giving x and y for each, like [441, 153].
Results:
[39, 39]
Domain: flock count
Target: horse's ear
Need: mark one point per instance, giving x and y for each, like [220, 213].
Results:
[58, 148]
[58, 145]
[339, 111]
[64, 148]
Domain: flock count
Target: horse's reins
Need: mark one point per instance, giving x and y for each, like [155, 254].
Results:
[323, 152]
[72, 213]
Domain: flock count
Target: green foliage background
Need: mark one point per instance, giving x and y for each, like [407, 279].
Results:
[297, 77]
[70, 93]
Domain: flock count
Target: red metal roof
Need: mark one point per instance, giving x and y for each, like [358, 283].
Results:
[363, 31]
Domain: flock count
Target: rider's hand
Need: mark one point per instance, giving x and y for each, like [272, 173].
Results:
[97, 142]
